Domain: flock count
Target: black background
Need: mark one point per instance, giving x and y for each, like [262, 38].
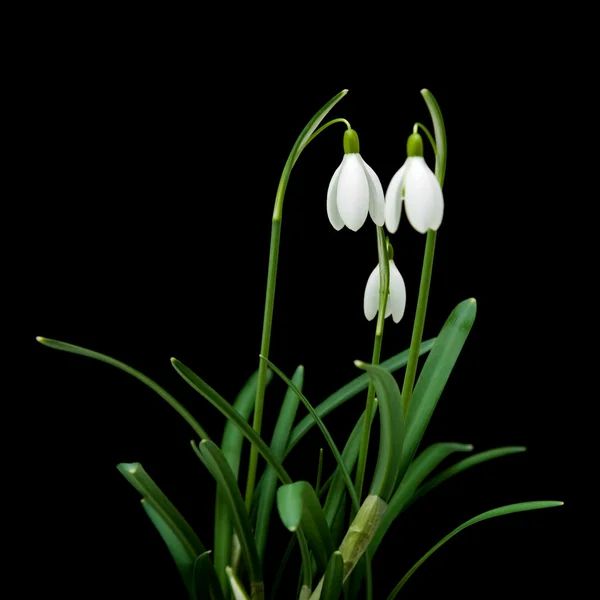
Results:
[154, 165]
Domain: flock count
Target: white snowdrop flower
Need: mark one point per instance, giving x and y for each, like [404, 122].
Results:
[396, 302]
[354, 190]
[418, 187]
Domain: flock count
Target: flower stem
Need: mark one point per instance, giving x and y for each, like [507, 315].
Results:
[384, 288]
[264, 350]
[440, 150]
[417, 334]
[265, 343]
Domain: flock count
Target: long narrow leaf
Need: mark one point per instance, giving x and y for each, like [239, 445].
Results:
[284, 424]
[349, 456]
[224, 407]
[231, 447]
[183, 554]
[435, 374]
[334, 576]
[212, 457]
[140, 376]
[490, 514]
[144, 484]
[424, 464]
[349, 391]
[461, 466]
[324, 431]
[299, 506]
[206, 584]
[391, 427]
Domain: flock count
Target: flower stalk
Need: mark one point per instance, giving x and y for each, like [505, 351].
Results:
[440, 150]
[384, 288]
[308, 134]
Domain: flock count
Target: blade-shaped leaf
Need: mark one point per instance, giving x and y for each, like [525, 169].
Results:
[435, 374]
[349, 456]
[349, 391]
[284, 424]
[183, 554]
[231, 447]
[140, 376]
[490, 514]
[299, 506]
[224, 407]
[391, 427]
[334, 576]
[212, 457]
[420, 468]
[324, 431]
[206, 584]
[462, 465]
[144, 484]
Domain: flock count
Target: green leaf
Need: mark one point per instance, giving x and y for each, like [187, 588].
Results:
[433, 377]
[206, 584]
[324, 431]
[239, 593]
[146, 380]
[224, 407]
[212, 457]
[467, 463]
[420, 468]
[349, 391]
[334, 576]
[144, 484]
[299, 506]
[440, 134]
[284, 424]
[490, 514]
[336, 494]
[182, 553]
[231, 447]
[391, 428]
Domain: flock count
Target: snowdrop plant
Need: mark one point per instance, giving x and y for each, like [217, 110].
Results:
[336, 527]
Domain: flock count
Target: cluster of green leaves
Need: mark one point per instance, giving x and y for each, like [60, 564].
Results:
[399, 476]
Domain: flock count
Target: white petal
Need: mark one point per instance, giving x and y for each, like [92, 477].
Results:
[397, 298]
[353, 193]
[393, 199]
[376, 201]
[371, 301]
[332, 210]
[423, 197]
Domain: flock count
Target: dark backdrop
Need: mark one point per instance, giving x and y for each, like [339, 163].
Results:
[155, 175]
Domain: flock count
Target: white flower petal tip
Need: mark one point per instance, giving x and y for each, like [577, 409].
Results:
[417, 187]
[396, 303]
[354, 192]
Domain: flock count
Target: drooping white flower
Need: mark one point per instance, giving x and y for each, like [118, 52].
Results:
[396, 302]
[354, 190]
[416, 186]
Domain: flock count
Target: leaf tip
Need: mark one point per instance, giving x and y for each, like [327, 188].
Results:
[173, 360]
[360, 364]
[40, 339]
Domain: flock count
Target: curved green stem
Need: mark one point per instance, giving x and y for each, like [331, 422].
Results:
[417, 334]
[323, 127]
[440, 146]
[384, 288]
[427, 133]
[303, 138]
